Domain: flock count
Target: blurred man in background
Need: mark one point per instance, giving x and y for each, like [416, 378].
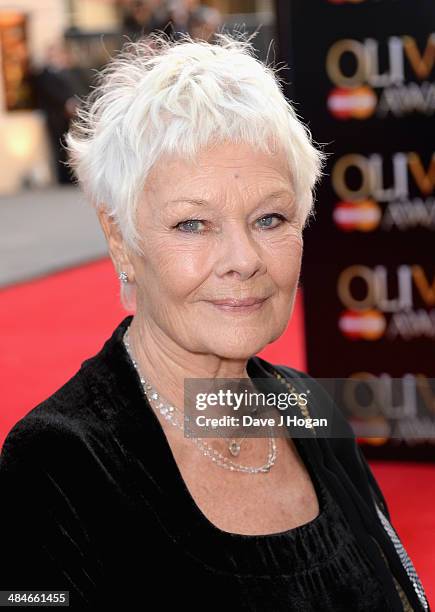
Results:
[141, 17]
[174, 17]
[58, 86]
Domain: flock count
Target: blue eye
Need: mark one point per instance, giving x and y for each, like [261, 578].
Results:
[269, 218]
[191, 226]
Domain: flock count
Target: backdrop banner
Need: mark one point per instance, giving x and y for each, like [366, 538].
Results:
[362, 77]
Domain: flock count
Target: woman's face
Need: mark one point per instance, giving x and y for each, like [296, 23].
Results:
[226, 227]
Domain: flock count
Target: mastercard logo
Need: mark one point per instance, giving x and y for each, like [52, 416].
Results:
[362, 325]
[356, 103]
[362, 215]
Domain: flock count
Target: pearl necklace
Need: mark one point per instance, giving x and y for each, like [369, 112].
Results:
[173, 415]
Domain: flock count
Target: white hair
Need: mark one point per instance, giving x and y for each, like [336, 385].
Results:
[161, 96]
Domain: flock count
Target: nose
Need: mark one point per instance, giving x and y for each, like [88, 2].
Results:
[239, 253]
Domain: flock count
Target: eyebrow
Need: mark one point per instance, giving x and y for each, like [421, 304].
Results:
[275, 195]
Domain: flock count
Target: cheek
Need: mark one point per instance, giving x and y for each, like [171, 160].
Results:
[177, 271]
[285, 261]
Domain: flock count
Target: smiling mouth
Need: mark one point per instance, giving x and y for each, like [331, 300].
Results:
[239, 306]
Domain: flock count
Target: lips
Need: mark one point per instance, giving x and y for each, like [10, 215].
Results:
[238, 303]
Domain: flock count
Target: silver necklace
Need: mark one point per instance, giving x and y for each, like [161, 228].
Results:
[175, 417]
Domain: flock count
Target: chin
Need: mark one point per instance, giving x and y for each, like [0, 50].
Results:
[233, 348]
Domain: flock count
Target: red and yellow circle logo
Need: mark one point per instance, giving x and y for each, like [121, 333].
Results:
[364, 325]
[362, 215]
[352, 103]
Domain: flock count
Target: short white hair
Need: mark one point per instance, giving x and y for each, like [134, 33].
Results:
[161, 96]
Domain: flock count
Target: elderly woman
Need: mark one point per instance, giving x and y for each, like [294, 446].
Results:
[202, 177]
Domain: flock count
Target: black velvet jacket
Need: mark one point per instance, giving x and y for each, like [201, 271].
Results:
[81, 509]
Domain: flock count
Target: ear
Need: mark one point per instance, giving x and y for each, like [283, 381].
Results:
[117, 247]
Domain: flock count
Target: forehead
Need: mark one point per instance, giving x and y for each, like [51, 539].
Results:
[219, 169]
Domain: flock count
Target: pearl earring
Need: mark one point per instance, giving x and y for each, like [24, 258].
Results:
[123, 277]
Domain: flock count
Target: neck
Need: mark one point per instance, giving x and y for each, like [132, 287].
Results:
[165, 364]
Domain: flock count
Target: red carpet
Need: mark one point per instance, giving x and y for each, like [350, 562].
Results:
[50, 325]
[409, 489]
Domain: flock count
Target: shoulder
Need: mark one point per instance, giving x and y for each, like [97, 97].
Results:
[55, 484]
[60, 460]
[77, 420]
[62, 436]
[60, 415]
